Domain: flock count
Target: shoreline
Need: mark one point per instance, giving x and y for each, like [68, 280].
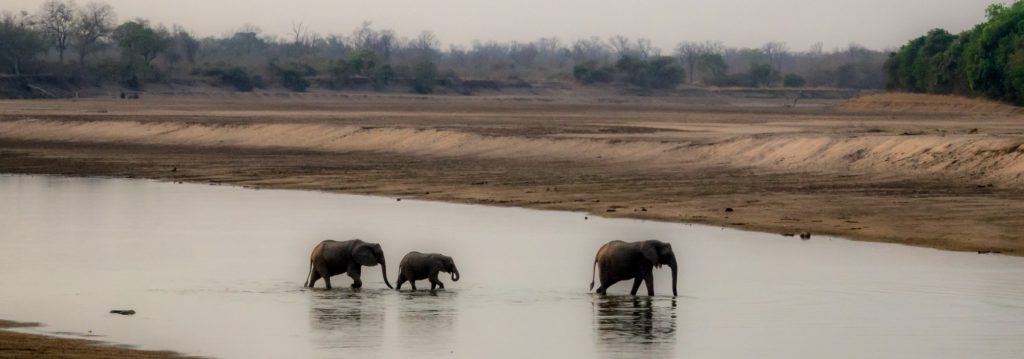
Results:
[16, 344]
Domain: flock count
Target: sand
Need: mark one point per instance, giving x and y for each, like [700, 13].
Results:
[933, 171]
[21, 345]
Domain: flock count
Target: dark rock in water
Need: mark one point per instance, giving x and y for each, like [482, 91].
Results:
[805, 235]
[123, 312]
[728, 209]
[398, 199]
[788, 234]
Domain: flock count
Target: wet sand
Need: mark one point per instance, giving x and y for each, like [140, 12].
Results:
[21, 345]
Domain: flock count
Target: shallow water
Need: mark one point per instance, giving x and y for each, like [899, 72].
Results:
[218, 271]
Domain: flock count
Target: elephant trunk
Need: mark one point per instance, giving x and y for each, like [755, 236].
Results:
[384, 272]
[675, 276]
[455, 274]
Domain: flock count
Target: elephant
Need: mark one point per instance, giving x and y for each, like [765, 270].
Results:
[330, 258]
[620, 261]
[416, 266]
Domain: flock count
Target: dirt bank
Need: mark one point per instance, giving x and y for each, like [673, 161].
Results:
[21, 345]
[879, 168]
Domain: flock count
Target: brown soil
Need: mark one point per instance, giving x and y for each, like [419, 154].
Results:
[885, 168]
[20, 345]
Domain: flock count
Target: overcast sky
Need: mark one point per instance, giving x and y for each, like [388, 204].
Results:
[874, 23]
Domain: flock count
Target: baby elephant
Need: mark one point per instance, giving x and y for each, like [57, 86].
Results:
[416, 266]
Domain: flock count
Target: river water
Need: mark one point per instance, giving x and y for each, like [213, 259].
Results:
[218, 271]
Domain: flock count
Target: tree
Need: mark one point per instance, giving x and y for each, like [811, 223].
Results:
[664, 72]
[58, 18]
[94, 23]
[19, 42]
[185, 44]
[426, 45]
[761, 74]
[137, 38]
[775, 51]
[712, 65]
[424, 77]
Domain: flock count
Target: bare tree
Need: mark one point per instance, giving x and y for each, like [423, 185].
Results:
[621, 45]
[57, 18]
[299, 33]
[644, 48]
[690, 53]
[364, 37]
[426, 45]
[589, 49]
[817, 49]
[95, 22]
[775, 51]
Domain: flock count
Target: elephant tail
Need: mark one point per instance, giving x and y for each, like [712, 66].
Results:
[592, 273]
[308, 275]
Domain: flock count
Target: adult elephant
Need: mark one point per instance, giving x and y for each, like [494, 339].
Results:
[417, 266]
[330, 258]
[620, 261]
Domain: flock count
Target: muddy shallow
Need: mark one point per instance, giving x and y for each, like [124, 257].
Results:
[218, 271]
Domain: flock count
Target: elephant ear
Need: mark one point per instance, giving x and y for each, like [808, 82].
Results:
[650, 252]
[442, 263]
[363, 255]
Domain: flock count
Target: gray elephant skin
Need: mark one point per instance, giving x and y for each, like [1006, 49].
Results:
[620, 261]
[330, 258]
[418, 266]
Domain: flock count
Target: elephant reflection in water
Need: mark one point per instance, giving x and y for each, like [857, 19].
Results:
[427, 322]
[624, 323]
[353, 321]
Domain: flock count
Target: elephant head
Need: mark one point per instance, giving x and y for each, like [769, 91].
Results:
[369, 255]
[660, 253]
[448, 265]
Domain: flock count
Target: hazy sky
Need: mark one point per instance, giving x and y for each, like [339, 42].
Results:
[800, 23]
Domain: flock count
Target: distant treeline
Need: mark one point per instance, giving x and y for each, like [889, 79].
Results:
[987, 60]
[82, 46]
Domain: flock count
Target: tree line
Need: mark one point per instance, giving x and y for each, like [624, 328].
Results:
[81, 46]
[986, 61]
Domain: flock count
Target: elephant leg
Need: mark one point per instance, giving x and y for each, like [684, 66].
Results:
[401, 280]
[314, 275]
[606, 282]
[327, 281]
[649, 279]
[636, 285]
[356, 282]
[434, 282]
[354, 272]
[413, 284]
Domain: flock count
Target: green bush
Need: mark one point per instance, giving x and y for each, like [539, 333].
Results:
[424, 77]
[292, 76]
[793, 80]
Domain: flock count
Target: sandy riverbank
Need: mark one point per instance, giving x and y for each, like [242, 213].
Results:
[22, 345]
[921, 170]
